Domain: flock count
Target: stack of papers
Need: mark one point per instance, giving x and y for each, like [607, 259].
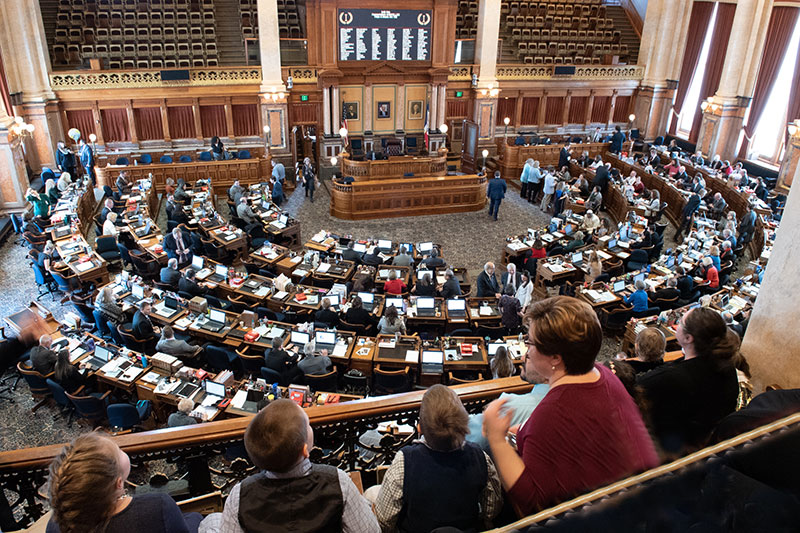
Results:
[387, 344]
[239, 399]
[412, 356]
[485, 310]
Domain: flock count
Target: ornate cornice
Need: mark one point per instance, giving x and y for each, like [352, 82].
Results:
[133, 79]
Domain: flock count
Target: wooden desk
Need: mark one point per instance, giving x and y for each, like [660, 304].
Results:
[222, 173]
[403, 273]
[34, 321]
[394, 358]
[394, 167]
[363, 354]
[414, 196]
[473, 311]
[512, 157]
[97, 273]
[268, 255]
[476, 361]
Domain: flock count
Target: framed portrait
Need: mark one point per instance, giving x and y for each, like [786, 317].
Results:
[415, 109]
[350, 110]
[384, 110]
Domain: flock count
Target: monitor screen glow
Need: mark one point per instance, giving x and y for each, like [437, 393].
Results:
[214, 389]
[217, 316]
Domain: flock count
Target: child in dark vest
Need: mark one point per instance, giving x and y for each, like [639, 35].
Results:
[290, 495]
[441, 480]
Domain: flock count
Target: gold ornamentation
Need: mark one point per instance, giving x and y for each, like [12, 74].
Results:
[460, 73]
[302, 74]
[152, 78]
[593, 72]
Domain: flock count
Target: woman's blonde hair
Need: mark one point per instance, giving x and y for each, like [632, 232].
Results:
[83, 484]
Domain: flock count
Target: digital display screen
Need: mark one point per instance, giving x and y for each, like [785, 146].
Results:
[214, 389]
[384, 34]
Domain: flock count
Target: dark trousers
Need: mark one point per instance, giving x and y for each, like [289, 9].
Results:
[310, 192]
[494, 207]
[533, 191]
[523, 193]
[686, 223]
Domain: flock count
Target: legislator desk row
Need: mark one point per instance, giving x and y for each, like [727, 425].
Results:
[221, 173]
[394, 167]
[278, 226]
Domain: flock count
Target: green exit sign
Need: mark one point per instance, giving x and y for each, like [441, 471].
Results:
[304, 98]
[459, 94]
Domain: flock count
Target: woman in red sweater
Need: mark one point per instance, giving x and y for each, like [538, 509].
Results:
[394, 285]
[586, 432]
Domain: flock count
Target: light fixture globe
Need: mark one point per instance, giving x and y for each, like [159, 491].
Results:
[443, 128]
[334, 160]
[485, 153]
[342, 132]
[506, 121]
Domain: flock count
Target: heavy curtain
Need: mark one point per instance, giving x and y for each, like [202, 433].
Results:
[577, 109]
[779, 33]
[245, 120]
[530, 111]
[148, 123]
[716, 59]
[181, 122]
[212, 121]
[621, 107]
[600, 109]
[554, 110]
[115, 125]
[698, 24]
[506, 107]
[81, 119]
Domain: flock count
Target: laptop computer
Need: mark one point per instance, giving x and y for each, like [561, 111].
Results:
[168, 307]
[219, 275]
[426, 306]
[577, 258]
[136, 295]
[619, 285]
[324, 340]
[425, 247]
[145, 230]
[216, 320]
[396, 302]
[432, 361]
[612, 245]
[299, 339]
[334, 300]
[384, 245]
[101, 356]
[212, 388]
[367, 299]
[670, 261]
[639, 277]
[360, 247]
[187, 390]
[491, 349]
[197, 262]
[457, 308]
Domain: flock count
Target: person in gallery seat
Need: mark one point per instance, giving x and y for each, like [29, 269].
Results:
[279, 440]
[587, 431]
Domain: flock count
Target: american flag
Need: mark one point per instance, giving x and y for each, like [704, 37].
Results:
[427, 117]
[344, 125]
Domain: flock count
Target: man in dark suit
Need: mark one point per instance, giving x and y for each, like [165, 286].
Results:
[616, 141]
[372, 258]
[434, 261]
[358, 315]
[175, 245]
[511, 277]
[170, 274]
[326, 315]
[487, 285]
[563, 156]
[670, 292]
[351, 255]
[496, 191]
[746, 227]
[451, 287]
[188, 284]
[123, 185]
[601, 179]
[692, 205]
[142, 328]
[277, 359]
[108, 207]
[86, 156]
[43, 358]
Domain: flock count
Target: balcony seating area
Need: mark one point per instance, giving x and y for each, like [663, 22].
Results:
[135, 34]
[289, 20]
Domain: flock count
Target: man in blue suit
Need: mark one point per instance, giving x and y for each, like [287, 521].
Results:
[87, 159]
[496, 191]
[277, 191]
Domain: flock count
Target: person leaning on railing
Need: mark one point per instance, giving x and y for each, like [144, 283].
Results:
[586, 432]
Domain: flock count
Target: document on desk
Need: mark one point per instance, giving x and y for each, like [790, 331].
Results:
[83, 267]
[261, 291]
[412, 356]
[323, 267]
[485, 310]
[130, 374]
[239, 399]
[383, 273]
[274, 332]
[387, 344]
[297, 259]
[556, 269]
[75, 354]
[280, 295]
[183, 323]
[151, 377]
[340, 350]
[474, 313]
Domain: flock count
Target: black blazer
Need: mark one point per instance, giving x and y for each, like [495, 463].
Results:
[487, 286]
[451, 288]
[171, 247]
[370, 259]
[328, 317]
[170, 276]
[142, 327]
[351, 255]
[563, 158]
[187, 285]
[359, 316]
[279, 360]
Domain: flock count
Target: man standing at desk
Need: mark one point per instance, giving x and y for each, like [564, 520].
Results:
[278, 171]
[177, 247]
[87, 158]
[563, 156]
[616, 141]
[692, 205]
[496, 191]
[487, 282]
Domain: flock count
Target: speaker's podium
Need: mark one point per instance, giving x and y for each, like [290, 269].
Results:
[403, 186]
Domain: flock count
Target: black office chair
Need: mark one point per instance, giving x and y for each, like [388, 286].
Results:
[491, 331]
[615, 320]
[269, 375]
[101, 324]
[323, 382]
[251, 364]
[391, 381]
[106, 246]
[130, 340]
[124, 417]
[637, 260]
[219, 358]
[354, 382]
[462, 332]
[37, 383]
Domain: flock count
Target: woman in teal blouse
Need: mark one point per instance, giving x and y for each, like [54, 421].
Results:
[41, 203]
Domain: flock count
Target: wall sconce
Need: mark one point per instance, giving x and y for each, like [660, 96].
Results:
[714, 108]
[631, 117]
[794, 128]
[491, 91]
[289, 83]
[274, 94]
[485, 154]
[22, 129]
[506, 121]
[703, 106]
[334, 160]
[443, 128]
[343, 135]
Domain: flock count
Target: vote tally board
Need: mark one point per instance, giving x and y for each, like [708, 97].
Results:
[384, 35]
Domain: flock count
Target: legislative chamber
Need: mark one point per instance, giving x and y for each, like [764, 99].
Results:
[455, 265]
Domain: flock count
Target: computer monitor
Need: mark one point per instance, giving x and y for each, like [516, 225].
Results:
[432, 356]
[623, 232]
[299, 337]
[360, 247]
[102, 353]
[325, 337]
[406, 246]
[577, 257]
[612, 243]
[456, 305]
[639, 277]
[213, 388]
[619, 285]
[217, 316]
[493, 346]
[383, 244]
[425, 246]
[221, 270]
[283, 219]
[265, 204]
[170, 303]
[137, 291]
[197, 262]
[366, 297]
[425, 303]
[679, 259]
[396, 302]
[569, 229]
[670, 261]
[334, 299]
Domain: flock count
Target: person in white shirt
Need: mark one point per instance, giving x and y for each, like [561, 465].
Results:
[64, 181]
[549, 189]
[109, 227]
[524, 290]
[591, 221]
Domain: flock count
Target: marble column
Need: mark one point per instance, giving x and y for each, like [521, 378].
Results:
[337, 108]
[269, 45]
[326, 110]
[442, 106]
[400, 121]
[13, 178]
[27, 64]
[433, 107]
[486, 41]
[772, 341]
[719, 130]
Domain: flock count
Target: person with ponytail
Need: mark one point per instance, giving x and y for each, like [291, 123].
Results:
[687, 398]
[87, 494]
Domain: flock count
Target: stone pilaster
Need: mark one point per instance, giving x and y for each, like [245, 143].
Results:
[720, 128]
[269, 45]
[486, 41]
